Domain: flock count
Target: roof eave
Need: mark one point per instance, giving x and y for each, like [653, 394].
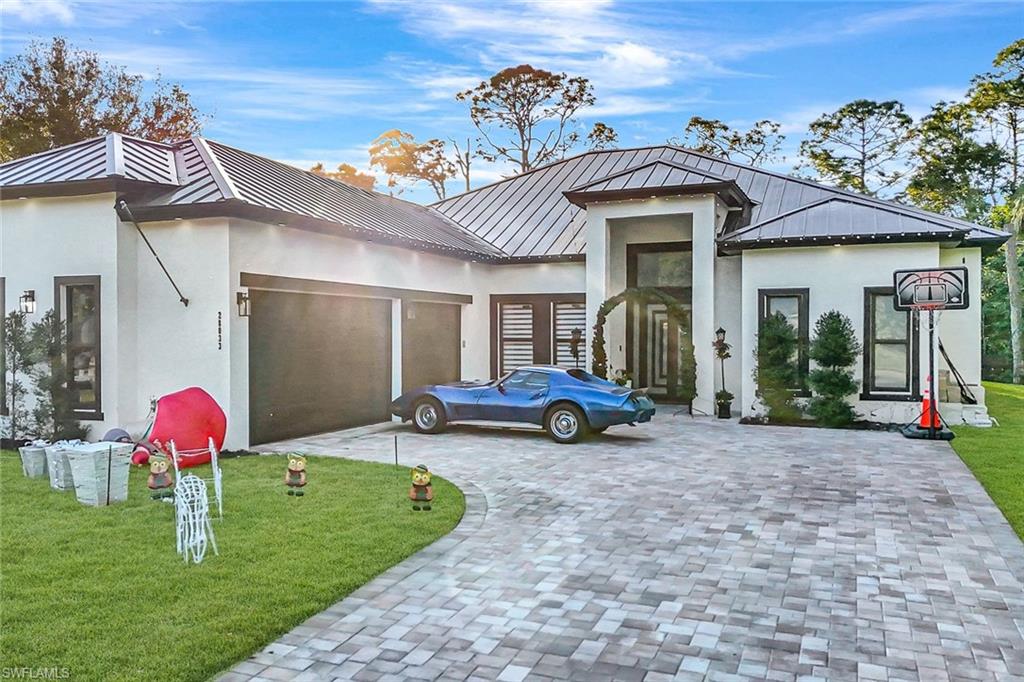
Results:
[728, 191]
[69, 188]
[730, 247]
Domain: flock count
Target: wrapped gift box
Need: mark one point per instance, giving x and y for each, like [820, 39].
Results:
[33, 460]
[59, 468]
[100, 472]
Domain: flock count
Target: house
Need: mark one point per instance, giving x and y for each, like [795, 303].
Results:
[304, 304]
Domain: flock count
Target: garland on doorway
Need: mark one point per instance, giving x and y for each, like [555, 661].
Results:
[687, 387]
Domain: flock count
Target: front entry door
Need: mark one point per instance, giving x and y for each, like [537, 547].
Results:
[653, 336]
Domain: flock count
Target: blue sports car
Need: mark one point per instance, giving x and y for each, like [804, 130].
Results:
[568, 403]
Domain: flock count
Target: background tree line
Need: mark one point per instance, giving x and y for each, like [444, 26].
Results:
[962, 159]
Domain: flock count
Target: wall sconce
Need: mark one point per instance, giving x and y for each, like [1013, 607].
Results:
[27, 301]
[242, 300]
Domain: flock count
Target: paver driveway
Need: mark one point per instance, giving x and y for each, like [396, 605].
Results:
[685, 548]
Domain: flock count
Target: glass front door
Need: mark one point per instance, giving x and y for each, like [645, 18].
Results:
[653, 336]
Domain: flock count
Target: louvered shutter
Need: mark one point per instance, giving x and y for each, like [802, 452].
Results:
[516, 336]
[566, 317]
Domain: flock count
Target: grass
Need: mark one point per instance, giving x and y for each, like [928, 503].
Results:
[996, 455]
[102, 593]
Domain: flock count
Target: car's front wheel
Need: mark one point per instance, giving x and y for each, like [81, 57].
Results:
[428, 416]
[566, 423]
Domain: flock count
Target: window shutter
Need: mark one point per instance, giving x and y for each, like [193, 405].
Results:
[516, 336]
[569, 316]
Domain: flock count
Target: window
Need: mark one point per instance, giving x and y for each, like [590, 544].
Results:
[793, 304]
[528, 381]
[77, 302]
[890, 348]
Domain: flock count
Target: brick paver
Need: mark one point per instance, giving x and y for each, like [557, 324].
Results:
[682, 549]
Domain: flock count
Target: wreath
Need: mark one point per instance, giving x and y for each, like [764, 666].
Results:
[686, 389]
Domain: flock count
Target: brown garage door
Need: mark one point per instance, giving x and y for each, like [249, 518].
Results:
[316, 363]
[431, 344]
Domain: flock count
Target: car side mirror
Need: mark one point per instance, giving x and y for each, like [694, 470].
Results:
[501, 389]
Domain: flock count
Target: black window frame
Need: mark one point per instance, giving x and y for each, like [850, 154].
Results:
[912, 342]
[91, 413]
[803, 296]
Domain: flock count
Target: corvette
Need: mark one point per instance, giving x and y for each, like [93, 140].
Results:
[568, 403]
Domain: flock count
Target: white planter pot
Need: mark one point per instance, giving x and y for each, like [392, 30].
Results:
[100, 472]
[59, 468]
[33, 461]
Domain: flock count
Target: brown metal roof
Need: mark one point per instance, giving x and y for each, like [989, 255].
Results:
[529, 216]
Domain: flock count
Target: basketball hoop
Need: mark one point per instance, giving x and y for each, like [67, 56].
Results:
[930, 290]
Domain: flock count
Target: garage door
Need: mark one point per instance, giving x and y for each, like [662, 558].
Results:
[431, 344]
[316, 363]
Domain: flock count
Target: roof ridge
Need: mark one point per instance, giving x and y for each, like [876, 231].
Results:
[544, 167]
[652, 162]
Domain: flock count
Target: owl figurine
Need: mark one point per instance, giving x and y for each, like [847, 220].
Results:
[421, 493]
[295, 475]
[160, 477]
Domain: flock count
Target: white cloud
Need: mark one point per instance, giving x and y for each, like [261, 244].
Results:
[36, 11]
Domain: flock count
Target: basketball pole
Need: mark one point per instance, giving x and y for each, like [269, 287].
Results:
[932, 408]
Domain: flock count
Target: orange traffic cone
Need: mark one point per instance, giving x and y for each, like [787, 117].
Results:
[928, 415]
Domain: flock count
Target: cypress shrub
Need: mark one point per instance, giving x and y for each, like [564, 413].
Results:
[776, 373]
[834, 348]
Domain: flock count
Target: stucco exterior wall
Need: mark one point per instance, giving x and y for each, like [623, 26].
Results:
[48, 237]
[697, 215]
[836, 277]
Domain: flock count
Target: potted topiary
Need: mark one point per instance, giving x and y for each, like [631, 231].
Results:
[723, 401]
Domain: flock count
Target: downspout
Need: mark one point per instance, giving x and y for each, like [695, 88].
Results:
[127, 211]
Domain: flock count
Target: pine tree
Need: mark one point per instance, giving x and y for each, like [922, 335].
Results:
[834, 348]
[776, 372]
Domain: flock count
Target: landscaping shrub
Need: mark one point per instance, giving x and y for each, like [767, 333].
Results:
[776, 372]
[51, 414]
[834, 348]
[17, 355]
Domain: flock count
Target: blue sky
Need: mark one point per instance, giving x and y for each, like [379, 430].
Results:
[306, 82]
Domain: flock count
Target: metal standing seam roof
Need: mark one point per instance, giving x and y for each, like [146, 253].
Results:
[528, 215]
[216, 173]
[839, 220]
[112, 156]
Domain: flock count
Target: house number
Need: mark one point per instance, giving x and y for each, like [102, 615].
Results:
[220, 331]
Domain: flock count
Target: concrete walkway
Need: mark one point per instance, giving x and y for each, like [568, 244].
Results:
[686, 549]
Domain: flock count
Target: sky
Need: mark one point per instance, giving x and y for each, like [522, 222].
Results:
[303, 82]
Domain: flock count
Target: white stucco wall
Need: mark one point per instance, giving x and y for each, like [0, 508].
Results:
[836, 277]
[697, 215]
[49, 237]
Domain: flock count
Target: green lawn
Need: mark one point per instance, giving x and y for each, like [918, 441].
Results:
[102, 593]
[996, 455]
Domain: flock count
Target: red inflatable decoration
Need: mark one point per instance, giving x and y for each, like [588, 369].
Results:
[190, 418]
